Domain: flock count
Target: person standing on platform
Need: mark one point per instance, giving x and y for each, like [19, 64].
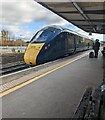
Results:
[96, 47]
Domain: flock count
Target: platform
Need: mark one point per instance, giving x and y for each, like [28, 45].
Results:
[57, 94]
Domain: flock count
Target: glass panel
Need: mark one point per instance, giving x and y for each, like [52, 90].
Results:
[45, 34]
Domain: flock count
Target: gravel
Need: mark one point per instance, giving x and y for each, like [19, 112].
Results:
[11, 57]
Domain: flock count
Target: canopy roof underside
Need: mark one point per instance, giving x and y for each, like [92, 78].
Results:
[89, 16]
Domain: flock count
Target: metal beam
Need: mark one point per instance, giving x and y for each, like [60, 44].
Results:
[85, 12]
[88, 25]
[84, 15]
[92, 20]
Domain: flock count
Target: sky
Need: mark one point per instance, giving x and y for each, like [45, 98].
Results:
[23, 18]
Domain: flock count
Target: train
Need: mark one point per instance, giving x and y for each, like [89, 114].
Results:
[53, 42]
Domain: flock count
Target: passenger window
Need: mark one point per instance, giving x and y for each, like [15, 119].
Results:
[70, 39]
[61, 36]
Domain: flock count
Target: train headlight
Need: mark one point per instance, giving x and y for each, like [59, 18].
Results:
[46, 48]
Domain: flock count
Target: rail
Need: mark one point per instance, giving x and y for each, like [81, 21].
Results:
[13, 68]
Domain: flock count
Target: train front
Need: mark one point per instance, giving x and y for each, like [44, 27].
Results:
[32, 52]
[37, 43]
[34, 48]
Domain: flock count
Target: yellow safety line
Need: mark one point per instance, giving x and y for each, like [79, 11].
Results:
[38, 77]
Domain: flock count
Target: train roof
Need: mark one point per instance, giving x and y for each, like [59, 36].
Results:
[68, 30]
[64, 30]
[54, 26]
[73, 32]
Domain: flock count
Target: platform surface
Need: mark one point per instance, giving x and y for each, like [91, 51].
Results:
[55, 95]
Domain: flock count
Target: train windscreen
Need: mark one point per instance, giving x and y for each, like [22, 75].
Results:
[44, 35]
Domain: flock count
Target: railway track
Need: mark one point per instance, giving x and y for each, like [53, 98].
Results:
[17, 66]
[13, 68]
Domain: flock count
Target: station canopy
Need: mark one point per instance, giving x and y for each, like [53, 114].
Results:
[89, 16]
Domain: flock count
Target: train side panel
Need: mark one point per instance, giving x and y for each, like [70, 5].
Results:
[71, 47]
[82, 44]
[54, 49]
[63, 44]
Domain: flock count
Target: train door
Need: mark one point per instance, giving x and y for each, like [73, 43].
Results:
[59, 46]
[77, 42]
[70, 42]
[65, 42]
[62, 44]
[74, 43]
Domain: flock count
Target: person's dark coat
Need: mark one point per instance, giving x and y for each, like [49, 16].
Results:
[96, 45]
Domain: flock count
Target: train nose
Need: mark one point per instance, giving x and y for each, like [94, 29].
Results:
[31, 53]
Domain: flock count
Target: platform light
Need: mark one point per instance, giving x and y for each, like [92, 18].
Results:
[90, 33]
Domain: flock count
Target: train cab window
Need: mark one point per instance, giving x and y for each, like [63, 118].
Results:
[45, 34]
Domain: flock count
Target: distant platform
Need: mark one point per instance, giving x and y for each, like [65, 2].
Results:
[12, 49]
